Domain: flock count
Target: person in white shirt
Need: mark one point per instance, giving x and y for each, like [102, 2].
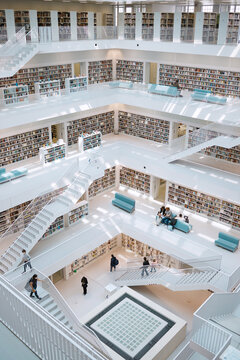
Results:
[26, 261]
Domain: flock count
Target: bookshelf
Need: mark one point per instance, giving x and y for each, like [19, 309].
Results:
[56, 226]
[31, 75]
[8, 217]
[3, 27]
[78, 212]
[210, 28]
[144, 127]
[205, 205]
[76, 84]
[232, 154]
[44, 18]
[64, 25]
[89, 141]
[135, 180]
[222, 82]
[108, 20]
[47, 88]
[100, 71]
[129, 70]
[22, 19]
[14, 94]
[233, 28]
[129, 25]
[187, 27]
[103, 122]
[166, 29]
[94, 254]
[103, 183]
[22, 146]
[52, 152]
[147, 26]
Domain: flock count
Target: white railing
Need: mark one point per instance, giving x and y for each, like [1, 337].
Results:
[106, 32]
[166, 34]
[39, 331]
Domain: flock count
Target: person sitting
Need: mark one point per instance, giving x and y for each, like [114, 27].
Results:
[186, 219]
[168, 216]
[162, 211]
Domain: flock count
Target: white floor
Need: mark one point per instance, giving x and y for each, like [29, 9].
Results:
[183, 304]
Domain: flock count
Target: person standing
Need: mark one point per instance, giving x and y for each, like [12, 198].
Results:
[113, 263]
[33, 284]
[145, 266]
[26, 261]
[84, 282]
[153, 265]
[158, 218]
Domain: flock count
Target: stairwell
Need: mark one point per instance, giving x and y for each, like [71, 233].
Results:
[41, 222]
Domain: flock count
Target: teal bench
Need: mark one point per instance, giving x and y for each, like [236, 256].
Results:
[207, 96]
[163, 90]
[124, 202]
[11, 175]
[121, 84]
[216, 99]
[181, 225]
[226, 241]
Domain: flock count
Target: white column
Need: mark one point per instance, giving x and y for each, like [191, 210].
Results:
[156, 26]
[177, 26]
[223, 26]
[117, 176]
[121, 26]
[33, 25]
[73, 22]
[199, 19]
[138, 28]
[54, 22]
[90, 25]
[100, 34]
[10, 23]
[116, 124]
[157, 80]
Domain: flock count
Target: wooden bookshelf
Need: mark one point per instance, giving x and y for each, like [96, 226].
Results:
[31, 75]
[3, 27]
[205, 205]
[187, 27]
[56, 226]
[89, 141]
[166, 26]
[22, 146]
[100, 71]
[222, 82]
[129, 26]
[135, 180]
[129, 70]
[44, 18]
[14, 94]
[103, 183]
[22, 19]
[64, 19]
[52, 152]
[147, 26]
[232, 154]
[94, 254]
[103, 122]
[78, 212]
[76, 84]
[210, 28]
[233, 28]
[108, 20]
[144, 127]
[8, 217]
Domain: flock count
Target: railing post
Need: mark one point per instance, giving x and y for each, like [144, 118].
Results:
[222, 31]
[157, 26]
[138, 28]
[54, 22]
[177, 25]
[90, 25]
[33, 25]
[73, 28]
[121, 26]
[198, 32]
[10, 23]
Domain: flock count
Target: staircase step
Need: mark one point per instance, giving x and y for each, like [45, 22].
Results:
[3, 266]
[22, 243]
[30, 233]
[32, 228]
[56, 312]
[43, 217]
[17, 247]
[50, 307]
[25, 238]
[47, 300]
[60, 316]
[6, 262]
[10, 256]
[36, 224]
[47, 212]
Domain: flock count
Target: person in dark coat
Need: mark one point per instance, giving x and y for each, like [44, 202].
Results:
[84, 282]
[33, 283]
[145, 266]
[113, 263]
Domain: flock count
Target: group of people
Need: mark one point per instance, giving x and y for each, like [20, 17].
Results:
[165, 216]
[146, 264]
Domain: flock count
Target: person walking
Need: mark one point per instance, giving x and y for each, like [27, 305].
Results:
[153, 265]
[113, 263]
[145, 266]
[84, 282]
[33, 284]
[26, 261]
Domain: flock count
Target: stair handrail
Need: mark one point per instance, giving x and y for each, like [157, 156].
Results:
[32, 203]
[55, 331]
[20, 36]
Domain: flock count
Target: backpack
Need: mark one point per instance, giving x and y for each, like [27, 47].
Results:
[116, 262]
[173, 221]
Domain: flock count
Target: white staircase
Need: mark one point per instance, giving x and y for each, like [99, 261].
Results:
[41, 222]
[174, 279]
[16, 52]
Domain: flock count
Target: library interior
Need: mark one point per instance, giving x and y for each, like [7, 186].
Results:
[120, 221]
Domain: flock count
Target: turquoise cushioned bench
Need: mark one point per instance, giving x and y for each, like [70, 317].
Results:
[206, 95]
[124, 202]
[163, 90]
[19, 172]
[183, 226]
[4, 176]
[121, 84]
[226, 241]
